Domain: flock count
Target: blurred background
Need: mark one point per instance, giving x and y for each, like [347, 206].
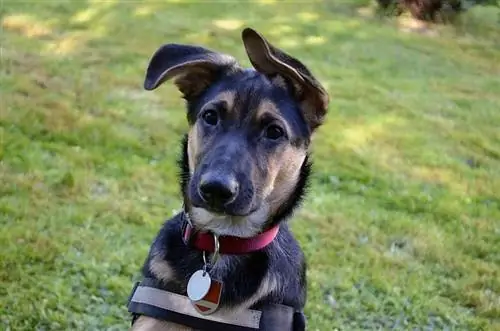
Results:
[402, 225]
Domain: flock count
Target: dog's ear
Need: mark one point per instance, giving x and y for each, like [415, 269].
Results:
[195, 68]
[271, 61]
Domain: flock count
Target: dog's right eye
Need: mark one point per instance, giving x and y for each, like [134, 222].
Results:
[210, 117]
[274, 132]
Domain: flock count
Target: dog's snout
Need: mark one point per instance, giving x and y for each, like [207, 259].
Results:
[218, 190]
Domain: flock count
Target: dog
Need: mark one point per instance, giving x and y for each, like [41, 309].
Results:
[244, 170]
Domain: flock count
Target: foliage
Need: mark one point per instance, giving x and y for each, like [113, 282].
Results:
[432, 10]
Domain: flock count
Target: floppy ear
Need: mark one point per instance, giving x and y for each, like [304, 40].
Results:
[195, 68]
[271, 61]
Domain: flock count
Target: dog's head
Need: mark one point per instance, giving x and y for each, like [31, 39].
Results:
[245, 161]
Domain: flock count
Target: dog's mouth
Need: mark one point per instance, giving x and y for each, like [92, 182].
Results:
[220, 211]
[240, 225]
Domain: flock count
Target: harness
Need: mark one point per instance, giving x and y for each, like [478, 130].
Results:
[150, 298]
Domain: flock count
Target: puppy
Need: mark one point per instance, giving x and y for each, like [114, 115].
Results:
[244, 168]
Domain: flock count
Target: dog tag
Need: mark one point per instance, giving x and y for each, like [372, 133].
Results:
[198, 285]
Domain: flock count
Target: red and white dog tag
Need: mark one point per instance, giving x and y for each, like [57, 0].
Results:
[210, 302]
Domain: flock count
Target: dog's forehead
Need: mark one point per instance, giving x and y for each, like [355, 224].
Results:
[249, 94]
[248, 88]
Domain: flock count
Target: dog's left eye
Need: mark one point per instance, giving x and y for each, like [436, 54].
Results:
[210, 117]
[274, 132]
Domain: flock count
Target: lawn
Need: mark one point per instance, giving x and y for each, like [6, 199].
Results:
[402, 226]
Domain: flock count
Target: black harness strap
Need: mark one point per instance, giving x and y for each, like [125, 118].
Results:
[149, 298]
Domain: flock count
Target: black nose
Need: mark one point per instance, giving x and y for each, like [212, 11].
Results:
[218, 190]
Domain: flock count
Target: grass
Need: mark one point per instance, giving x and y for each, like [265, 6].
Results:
[401, 229]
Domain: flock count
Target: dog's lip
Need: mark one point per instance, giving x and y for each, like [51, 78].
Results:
[221, 212]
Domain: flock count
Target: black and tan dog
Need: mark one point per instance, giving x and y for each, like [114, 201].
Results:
[244, 170]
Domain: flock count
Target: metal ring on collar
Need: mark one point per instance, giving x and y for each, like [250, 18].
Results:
[215, 255]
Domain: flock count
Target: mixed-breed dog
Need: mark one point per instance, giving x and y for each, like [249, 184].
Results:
[228, 260]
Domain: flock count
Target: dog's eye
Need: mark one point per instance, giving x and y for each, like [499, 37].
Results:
[274, 132]
[210, 117]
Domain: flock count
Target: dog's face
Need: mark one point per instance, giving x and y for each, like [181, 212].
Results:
[249, 130]
[246, 147]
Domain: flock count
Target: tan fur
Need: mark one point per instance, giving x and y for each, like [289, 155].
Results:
[194, 141]
[161, 269]
[193, 148]
[228, 97]
[266, 106]
[284, 172]
[267, 286]
[194, 81]
[283, 168]
[279, 81]
[145, 323]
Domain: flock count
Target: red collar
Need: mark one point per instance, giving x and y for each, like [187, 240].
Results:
[204, 241]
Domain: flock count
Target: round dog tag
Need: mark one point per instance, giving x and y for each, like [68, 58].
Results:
[198, 285]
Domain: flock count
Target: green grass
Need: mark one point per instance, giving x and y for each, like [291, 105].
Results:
[402, 226]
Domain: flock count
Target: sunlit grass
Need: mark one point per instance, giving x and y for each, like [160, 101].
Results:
[402, 226]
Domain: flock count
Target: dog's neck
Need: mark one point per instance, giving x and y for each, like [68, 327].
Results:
[211, 242]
